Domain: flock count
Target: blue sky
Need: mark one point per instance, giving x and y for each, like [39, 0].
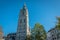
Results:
[42, 11]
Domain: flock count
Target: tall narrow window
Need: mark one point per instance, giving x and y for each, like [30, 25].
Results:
[24, 20]
[21, 21]
[23, 13]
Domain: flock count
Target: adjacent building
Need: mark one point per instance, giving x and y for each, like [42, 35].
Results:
[23, 24]
[1, 33]
[11, 36]
[53, 34]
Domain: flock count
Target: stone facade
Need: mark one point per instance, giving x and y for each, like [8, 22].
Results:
[11, 36]
[53, 34]
[23, 24]
[1, 33]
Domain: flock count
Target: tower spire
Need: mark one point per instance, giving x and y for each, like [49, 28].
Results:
[24, 6]
[23, 24]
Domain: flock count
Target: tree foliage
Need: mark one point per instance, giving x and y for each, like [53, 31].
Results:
[58, 23]
[38, 32]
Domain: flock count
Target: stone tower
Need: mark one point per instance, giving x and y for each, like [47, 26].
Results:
[23, 24]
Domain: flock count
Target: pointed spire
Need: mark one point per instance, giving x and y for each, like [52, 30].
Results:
[24, 6]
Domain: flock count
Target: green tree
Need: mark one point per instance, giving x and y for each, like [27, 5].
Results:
[38, 32]
[58, 23]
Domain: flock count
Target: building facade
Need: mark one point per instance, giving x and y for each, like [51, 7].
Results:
[53, 34]
[23, 24]
[11, 36]
[1, 33]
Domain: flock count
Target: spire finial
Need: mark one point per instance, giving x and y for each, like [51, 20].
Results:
[24, 6]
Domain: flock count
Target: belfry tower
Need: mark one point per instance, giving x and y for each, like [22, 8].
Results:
[23, 24]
